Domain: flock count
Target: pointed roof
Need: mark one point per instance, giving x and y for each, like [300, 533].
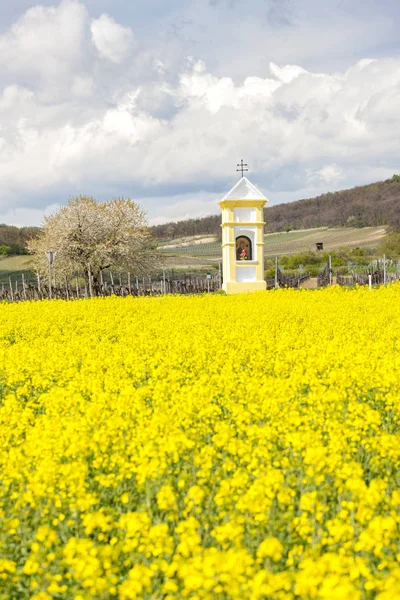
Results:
[244, 190]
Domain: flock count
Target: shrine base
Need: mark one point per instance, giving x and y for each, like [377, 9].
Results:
[235, 287]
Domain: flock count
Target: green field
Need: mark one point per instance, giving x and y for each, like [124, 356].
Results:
[302, 241]
[13, 267]
[197, 252]
[277, 244]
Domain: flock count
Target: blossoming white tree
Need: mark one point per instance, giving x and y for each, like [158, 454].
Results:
[90, 236]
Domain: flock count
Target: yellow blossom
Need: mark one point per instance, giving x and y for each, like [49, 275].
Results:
[240, 447]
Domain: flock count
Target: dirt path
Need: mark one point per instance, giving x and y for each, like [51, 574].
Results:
[310, 284]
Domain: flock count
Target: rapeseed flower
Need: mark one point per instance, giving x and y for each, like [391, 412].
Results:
[213, 447]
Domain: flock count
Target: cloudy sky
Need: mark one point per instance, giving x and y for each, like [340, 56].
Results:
[159, 99]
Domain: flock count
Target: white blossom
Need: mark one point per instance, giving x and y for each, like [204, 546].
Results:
[92, 236]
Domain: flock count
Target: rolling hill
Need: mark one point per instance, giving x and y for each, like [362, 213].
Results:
[198, 251]
[14, 266]
[373, 205]
[358, 217]
[191, 252]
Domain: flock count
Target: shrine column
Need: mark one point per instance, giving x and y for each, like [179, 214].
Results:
[243, 238]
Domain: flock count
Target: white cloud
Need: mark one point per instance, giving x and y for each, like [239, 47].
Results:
[45, 42]
[112, 40]
[213, 93]
[329, 174]
[287, 73]
[82, 86]
[77, 118]
[182, 206]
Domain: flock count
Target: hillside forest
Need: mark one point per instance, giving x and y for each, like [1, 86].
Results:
[363, 206]
[13, 240]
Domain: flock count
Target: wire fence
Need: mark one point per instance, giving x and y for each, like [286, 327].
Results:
[286, 281]
[324, 277]
[23, 287]
[376, 277]
[380, 272]
[19, 289]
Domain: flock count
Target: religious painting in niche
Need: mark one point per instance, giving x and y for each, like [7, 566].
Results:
[243, 248]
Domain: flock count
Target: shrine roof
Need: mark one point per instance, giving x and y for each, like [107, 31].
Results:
[244, 190]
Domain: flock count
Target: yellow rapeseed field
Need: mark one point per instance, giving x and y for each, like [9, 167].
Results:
[211, 447]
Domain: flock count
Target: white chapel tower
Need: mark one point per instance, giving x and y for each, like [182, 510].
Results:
[243, 238]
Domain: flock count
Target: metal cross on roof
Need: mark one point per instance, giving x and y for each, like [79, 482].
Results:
[242, 166]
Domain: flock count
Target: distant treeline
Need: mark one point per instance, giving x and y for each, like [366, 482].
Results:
[369, 205]
[13, 239]
[364, 206]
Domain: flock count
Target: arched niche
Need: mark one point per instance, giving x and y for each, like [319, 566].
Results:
[244, 248]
